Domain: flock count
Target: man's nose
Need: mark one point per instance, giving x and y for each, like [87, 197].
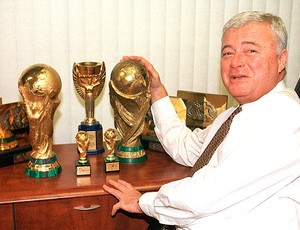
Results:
[237, 61]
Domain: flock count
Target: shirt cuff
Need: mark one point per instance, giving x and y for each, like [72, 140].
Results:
[162, 109]
[146, 203]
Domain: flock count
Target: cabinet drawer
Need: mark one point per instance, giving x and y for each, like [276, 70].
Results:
[6, 216]
[75, 213]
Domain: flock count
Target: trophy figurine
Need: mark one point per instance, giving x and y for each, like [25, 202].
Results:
[40, 86]
[89, 79]
[12, 117]
[129, 89]
[111, 162]
[83, 166]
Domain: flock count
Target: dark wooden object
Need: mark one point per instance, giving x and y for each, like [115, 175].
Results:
[50, 203]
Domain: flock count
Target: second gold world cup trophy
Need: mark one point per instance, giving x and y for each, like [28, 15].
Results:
[89, 79]
[129, 89]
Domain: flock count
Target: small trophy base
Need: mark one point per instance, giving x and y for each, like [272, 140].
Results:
[42, 168]
[131, 155]
[95, 134]
[111, 163]
[83, 169]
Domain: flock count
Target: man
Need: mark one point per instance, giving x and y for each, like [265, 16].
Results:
[252, 180]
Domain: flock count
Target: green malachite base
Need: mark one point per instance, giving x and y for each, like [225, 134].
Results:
[42, 168]
[37, 174]
[131, 155]
[133, 160]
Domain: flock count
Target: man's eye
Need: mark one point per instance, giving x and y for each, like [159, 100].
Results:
[225, 54]
[252, 51]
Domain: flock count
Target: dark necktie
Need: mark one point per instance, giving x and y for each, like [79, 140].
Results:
[214, 143]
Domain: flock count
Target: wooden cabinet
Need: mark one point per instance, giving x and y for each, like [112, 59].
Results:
[76, 213]
[70, 202]
[6, 216]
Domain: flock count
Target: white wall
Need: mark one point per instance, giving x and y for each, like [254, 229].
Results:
[180, 37]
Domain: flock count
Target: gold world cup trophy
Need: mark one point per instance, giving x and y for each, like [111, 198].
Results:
[129, 90]
[40, 86]
[111, 162]
[83, 166]
[89, 79]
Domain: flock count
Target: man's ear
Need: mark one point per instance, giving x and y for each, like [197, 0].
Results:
[282, 59]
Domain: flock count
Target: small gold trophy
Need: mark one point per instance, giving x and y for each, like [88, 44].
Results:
[129, 89]
[39, 86]
[83, 166]
[111, 162]
[89, 79]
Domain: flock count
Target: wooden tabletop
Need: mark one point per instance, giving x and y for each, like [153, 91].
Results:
[16, 186]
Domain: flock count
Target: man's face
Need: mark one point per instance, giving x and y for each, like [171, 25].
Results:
[250, 66]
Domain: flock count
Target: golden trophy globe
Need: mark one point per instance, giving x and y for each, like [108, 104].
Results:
[89, 79]
[40, 86]
[129, 89]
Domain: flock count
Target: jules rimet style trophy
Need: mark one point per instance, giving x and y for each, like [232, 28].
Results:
[40, 86]
[129, 90]
[89, 79]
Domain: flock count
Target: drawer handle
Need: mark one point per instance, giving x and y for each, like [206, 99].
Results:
[87, 207]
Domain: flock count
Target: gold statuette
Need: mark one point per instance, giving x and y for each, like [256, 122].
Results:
[83, 166]
[129, 89]
[40, 86]
[89, 79]
[111, 162]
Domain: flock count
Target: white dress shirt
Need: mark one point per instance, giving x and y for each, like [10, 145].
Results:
[251, 182]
